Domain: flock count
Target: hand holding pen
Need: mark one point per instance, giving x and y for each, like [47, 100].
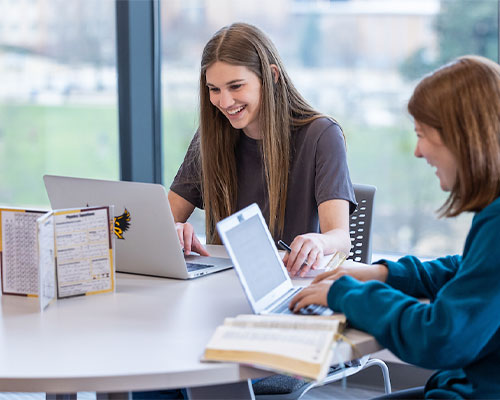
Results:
[334, 262]
[303, 254]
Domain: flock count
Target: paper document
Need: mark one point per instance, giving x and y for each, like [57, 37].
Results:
[56, 254]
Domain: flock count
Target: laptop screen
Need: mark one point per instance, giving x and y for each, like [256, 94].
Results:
[255, 254]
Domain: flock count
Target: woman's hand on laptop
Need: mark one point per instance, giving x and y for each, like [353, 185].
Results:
[313, 294]
[188, 239]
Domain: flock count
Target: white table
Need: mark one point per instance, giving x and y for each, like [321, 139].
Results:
[147, 335]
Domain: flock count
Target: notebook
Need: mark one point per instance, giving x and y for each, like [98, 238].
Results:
[145, 236]
[260, 269]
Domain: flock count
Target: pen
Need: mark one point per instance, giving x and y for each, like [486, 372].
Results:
[287, 248]
[284, 246]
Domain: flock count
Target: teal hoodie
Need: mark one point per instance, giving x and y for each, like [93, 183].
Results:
[458, 332]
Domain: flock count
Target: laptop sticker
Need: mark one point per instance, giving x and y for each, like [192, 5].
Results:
[122, 224]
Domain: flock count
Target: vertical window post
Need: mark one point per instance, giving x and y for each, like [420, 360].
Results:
[139, 90]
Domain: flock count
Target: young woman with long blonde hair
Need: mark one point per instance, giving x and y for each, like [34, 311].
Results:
[260, 141]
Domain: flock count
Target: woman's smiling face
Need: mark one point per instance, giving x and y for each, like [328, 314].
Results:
[431, 147]
[236, 91]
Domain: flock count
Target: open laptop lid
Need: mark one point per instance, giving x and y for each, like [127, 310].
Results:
[146, 240]
[251, 247]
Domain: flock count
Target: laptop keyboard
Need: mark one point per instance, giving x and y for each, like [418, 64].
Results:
[315, 309]
[196, 267]
[311, 309]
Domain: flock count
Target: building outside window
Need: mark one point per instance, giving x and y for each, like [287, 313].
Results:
[358, 61]
[58, 97]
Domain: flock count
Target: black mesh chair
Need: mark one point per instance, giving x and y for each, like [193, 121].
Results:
[283, 387]
[360, 224]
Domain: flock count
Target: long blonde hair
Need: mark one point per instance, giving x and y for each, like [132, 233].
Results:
[282, 108]
[462, 102]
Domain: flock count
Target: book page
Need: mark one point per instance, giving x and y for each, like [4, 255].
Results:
[305, 345]
[46, 260]
[287, 322]
[328, 263]
[305, 353]
[84, 252]
[19, 253]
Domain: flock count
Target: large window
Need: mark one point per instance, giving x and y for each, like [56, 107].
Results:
[58, 102]
[358, 61]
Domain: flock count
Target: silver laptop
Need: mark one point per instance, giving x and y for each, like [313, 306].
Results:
[146, 239]
[260, 269]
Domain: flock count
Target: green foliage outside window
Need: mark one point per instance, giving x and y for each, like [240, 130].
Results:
[462, 27]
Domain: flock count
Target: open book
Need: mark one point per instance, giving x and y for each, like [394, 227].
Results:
[292, 344]
[328, 263]
[56, 254]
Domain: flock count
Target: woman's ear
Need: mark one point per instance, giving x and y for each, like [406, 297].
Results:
[276, 72]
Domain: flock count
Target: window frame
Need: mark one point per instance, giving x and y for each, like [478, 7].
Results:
[139, 90]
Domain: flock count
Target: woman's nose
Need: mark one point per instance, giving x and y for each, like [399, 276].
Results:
[226, 100]
[417, 152]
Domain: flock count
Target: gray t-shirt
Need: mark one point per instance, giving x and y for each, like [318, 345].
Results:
[318, 173]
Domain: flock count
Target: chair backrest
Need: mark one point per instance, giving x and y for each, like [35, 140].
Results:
[360, 224]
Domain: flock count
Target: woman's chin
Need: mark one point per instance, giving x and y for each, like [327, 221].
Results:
[237, 124]
[444, 186]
